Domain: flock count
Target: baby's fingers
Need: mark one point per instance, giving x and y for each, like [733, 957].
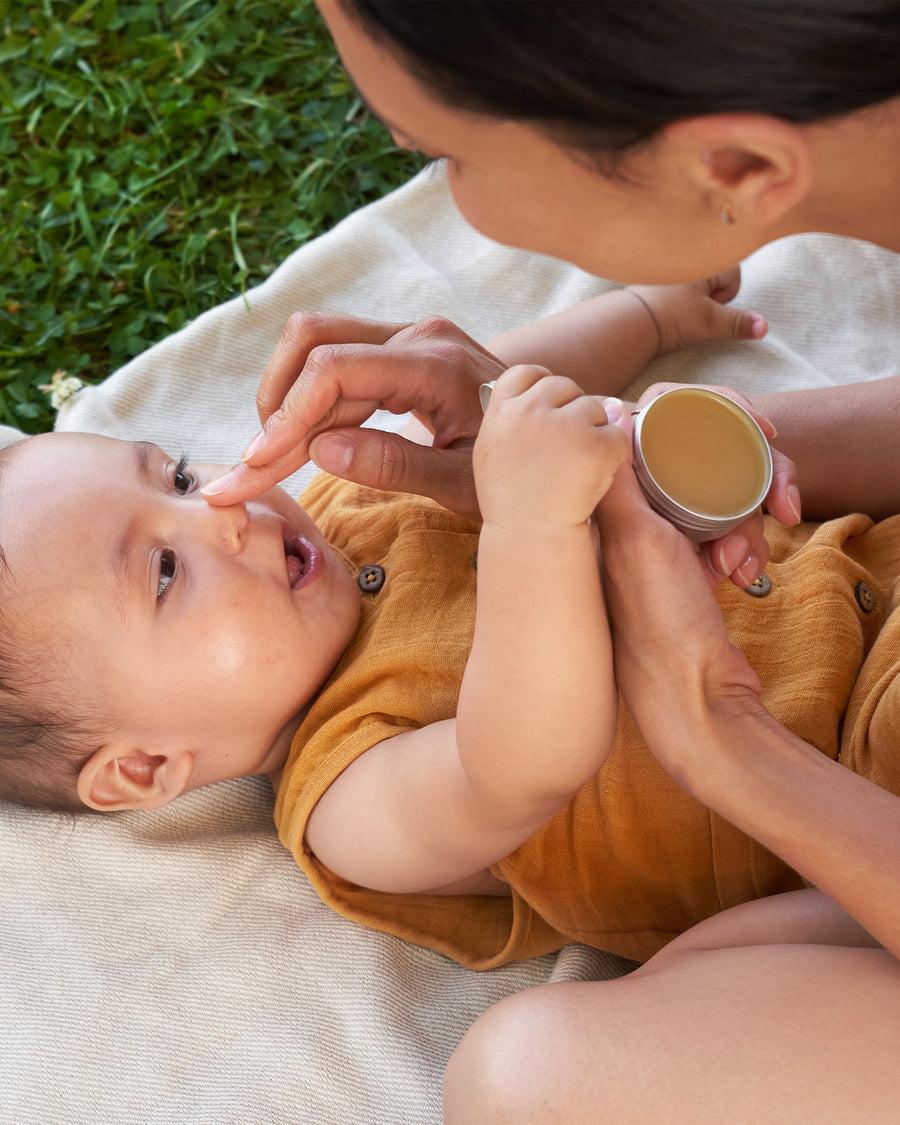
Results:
[730, 322]
[724, 286]
[524, 377]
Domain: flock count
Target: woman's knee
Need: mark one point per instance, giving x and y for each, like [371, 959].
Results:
[507, 1065]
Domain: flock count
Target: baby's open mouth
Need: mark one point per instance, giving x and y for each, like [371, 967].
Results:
[298, 556]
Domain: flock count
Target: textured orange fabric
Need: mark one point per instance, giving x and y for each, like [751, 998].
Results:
[632, 860]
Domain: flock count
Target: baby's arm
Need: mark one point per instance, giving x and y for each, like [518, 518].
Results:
[537, 708]
[430, 809]
[318, 389]
[605, 342]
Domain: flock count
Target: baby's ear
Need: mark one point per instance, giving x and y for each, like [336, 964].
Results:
[115, 778]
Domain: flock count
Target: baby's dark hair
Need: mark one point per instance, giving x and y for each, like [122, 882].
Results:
[605, 76]
[43, 741]
[45, 737]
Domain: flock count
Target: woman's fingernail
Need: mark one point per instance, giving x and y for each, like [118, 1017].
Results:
[768, 429]
[220, 484]
[793, 498]
[733, 553]
[332, 452]
[614, 409]
[253, 447]
[748, 572]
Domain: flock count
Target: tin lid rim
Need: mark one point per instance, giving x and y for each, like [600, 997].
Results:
[641, 468]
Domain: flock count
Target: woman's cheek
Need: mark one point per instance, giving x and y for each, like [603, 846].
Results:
[476, 204]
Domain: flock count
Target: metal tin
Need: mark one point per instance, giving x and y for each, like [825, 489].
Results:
[701, 460]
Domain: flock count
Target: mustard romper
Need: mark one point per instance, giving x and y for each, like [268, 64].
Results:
[632, 860]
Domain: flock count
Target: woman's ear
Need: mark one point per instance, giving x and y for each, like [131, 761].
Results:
[116, 778]
[758, 167]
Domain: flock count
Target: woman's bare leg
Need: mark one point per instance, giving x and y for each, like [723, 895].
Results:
[777, 1033]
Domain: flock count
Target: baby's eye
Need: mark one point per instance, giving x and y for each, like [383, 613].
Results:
[168, 568]
[182, 480]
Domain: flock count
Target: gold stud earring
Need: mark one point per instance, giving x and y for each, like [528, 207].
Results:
[725, 214]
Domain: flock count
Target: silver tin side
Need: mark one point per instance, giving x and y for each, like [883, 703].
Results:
[697, 526]
[484, 394]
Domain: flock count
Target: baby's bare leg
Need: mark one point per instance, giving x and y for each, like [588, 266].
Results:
[770, 1034]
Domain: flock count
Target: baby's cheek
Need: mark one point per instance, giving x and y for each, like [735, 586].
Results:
[231, 657]
[234, 644]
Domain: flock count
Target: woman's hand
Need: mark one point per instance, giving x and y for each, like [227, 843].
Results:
[697, 703]
[742, 554]
[674, 662]
[318, 380]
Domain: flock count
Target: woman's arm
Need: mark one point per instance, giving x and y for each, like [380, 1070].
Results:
[696, 701]
[840, 831]
[845, 442]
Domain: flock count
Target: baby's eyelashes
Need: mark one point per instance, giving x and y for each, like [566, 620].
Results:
[168, 568]
[182, 480]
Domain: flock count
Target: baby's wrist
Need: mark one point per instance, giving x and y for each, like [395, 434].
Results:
[640, 294]
[533, 534]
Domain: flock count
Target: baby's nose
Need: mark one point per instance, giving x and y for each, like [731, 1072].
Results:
[226, 525]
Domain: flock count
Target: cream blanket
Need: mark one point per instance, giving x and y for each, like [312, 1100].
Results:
[175, 966]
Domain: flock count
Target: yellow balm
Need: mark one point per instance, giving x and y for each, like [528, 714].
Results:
[702, 460]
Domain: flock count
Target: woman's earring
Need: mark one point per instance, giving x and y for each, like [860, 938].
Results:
[725, 214]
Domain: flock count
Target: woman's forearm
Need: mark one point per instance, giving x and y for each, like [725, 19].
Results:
[845, 442]
[697, 702]
[838, 830]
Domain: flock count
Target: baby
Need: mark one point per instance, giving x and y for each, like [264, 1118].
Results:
[433, 700]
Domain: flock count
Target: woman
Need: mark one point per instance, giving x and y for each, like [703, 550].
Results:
[657, 142]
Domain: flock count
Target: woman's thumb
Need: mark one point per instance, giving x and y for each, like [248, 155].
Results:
[390, 463]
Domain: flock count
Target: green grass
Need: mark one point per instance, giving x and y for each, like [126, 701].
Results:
[157, 158]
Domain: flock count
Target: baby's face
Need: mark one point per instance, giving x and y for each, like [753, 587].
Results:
[204, 628]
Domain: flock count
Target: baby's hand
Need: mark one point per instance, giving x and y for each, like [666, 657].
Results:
[699, 311]
[546, 453]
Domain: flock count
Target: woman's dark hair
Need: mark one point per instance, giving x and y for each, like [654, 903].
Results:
[605, 75]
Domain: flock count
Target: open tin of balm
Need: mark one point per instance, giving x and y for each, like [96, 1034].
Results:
[701, 460]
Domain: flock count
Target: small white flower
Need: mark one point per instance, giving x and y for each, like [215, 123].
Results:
[60, 388]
